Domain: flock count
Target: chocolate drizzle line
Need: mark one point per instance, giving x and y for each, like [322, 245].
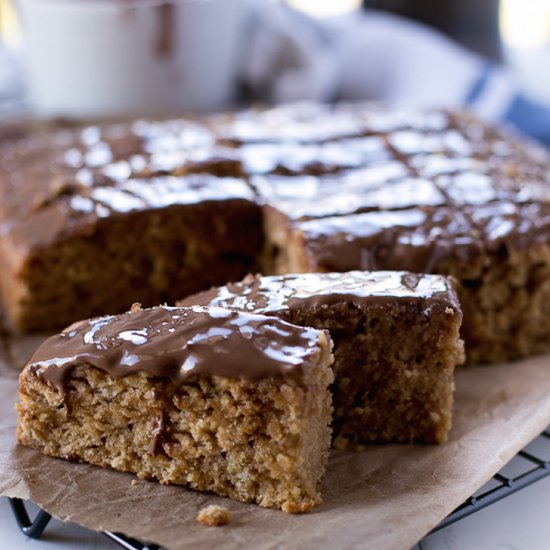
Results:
[160, 431]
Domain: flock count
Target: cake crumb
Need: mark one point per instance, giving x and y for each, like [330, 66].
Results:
[214, 516]
[134, 482]
[136, 307]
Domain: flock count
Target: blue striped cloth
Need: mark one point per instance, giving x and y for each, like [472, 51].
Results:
[381, 57]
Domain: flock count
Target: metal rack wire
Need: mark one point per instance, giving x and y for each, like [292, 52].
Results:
[34, 528]
[532, 468]
[529, 466]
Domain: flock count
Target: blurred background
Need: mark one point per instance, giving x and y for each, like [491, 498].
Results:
[514, 32]
[94, 58]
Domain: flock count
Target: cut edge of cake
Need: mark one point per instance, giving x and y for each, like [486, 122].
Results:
[208, 417]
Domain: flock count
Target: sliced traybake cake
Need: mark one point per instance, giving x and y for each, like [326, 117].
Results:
[217, 400]
[93, 219]
[396, 344]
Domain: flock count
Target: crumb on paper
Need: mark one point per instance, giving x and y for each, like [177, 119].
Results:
[134, 482]
[214, 516]
[136, 307]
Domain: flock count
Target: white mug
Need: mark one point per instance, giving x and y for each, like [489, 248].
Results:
[103, 58]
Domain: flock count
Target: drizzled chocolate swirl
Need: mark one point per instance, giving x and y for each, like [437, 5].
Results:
[279, 294]
[175, 344]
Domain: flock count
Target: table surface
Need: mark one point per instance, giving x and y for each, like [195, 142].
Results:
[519, 522]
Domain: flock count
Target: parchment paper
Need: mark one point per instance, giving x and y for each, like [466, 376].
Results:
[387, 497]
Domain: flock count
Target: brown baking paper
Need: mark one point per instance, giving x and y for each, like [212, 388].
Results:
[387, 497]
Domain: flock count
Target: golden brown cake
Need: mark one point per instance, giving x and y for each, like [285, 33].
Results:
[455, 197]
[396, 344]
[503, 287]
[93, 219]
[217, 400]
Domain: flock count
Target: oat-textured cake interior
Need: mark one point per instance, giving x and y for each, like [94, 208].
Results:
[216, 400]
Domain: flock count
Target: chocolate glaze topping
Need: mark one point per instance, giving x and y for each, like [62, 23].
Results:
[277, 294]
[419, 240]
[437, 182]
[74, 207]
[177, 343]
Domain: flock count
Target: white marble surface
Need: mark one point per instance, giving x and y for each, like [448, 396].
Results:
[519, 522]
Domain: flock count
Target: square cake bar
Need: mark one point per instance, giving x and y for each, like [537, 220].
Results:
[233, 403]
[396, 344]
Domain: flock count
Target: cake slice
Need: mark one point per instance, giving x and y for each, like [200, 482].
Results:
[498, 254]
[95, 246]
[396, 344]
[217, 400]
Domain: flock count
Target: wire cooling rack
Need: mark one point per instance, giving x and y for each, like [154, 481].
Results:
[34, 528]
[530, 465]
